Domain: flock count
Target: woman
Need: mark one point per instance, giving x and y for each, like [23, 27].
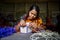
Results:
[32, 17]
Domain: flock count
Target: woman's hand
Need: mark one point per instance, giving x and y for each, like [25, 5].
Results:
[33, 24]
[22, 23]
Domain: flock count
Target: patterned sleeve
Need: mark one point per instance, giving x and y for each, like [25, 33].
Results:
[40, 22]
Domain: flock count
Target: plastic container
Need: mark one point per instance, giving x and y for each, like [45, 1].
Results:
[25, 29]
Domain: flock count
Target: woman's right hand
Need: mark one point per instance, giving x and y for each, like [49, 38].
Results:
[22, 23]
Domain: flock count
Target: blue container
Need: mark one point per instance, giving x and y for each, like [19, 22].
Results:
[6, 31]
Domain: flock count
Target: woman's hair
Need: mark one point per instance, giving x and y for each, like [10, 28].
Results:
[31, 8]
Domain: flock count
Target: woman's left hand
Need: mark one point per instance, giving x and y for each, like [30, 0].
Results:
[33, 24]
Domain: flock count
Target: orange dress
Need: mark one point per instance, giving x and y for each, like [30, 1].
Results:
[37, 21]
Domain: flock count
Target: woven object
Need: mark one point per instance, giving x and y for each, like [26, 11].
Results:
[45, 36]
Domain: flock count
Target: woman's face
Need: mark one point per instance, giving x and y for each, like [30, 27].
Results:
[32, 14]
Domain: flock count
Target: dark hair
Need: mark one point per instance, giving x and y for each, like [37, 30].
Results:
[31, 8]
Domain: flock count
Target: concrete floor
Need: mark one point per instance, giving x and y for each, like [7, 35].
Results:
[18, 36]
